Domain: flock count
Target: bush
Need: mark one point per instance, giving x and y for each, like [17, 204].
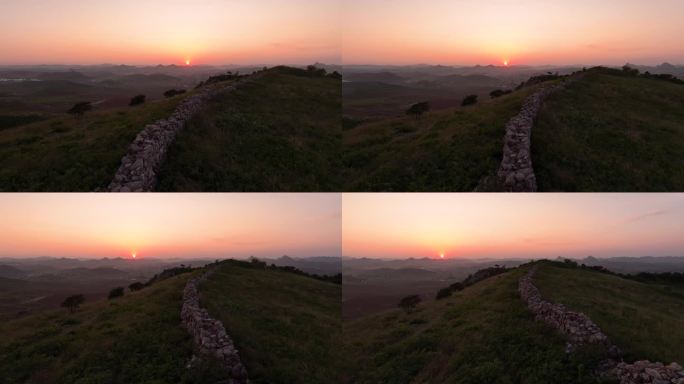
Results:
[469, 100]
[80, 108]
[136, 286]
[418, 109]
[443, 293]
[173, 92]
[116, 292]
[137, 100]
[409, 303]
[499, 93]
[73, 302]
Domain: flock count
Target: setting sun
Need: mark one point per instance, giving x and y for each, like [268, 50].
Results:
[187, 62]
[441, 255]
[505, 63]
[133, 255]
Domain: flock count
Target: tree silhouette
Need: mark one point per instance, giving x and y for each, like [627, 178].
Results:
[137, 100]
[116, 292]
[409, 303]
[469, 100]
[418, 109]
[80, 108]
[136, 286]
[73, 302]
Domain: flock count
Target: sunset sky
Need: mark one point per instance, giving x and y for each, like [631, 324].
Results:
[512, 225]
[527, 32]
[169, 225]
[169, 31]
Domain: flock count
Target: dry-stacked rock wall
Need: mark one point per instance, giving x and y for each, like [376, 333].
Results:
[581, 330]
[644, 371]
[516, 172]
[209, 334]
[140, 165]
[577, 326]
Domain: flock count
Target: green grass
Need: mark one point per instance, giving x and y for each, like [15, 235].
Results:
[285, 326]
[68, 154]
[450, 150]
[281, 132]
[644, 320]
[483, 334]
[133, 339]
[611, 133]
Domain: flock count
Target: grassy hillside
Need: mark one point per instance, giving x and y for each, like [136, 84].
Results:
[449, 150]
[279, 132]
[64, 153]
[645, 320]
[483, 334]
[611, 133]
[287, 327]
[133, 339]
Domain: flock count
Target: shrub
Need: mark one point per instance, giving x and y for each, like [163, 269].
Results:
[73, 302]
[173, 92]
[629, 71]
[418, 109]
[409, 303]
[80, 108]
[443, 293]
[116, 292]
[136, 286]
[469, 100]
[499, 93]
[137, 100]
[335, 75]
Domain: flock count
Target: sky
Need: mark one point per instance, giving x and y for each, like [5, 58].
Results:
[169, 31]
[524, 32]
[512, 225]
[170, 225]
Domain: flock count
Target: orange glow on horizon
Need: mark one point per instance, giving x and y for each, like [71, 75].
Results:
[505, 63]
[187, 62]
[507, 226]
[173, 225]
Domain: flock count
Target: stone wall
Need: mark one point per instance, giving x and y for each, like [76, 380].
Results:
[581, 330]
[516, 173]
[140, 165]
[577, 326]
[209, 334]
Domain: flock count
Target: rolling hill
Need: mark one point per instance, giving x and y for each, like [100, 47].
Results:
[280, 131]
[284, 325]
[610, 130]
[485, 333]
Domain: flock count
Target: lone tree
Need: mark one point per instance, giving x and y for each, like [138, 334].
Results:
[409, 303]
[173, 92]
[469, 100]
[73, 302]
[136, 286]
[80, 108]
[116, 292]
[137, 100]
[418, 109]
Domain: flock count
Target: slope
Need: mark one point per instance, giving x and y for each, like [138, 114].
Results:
[449, 150]
[64, 153]
[285, 326]
[483, 334]
[644, 320]
[280, 131]
[611, 132]
[133, 339]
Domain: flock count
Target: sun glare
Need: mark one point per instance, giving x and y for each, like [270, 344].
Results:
[133, 255]
[505, 63]
[187, 62]
[441, 255]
